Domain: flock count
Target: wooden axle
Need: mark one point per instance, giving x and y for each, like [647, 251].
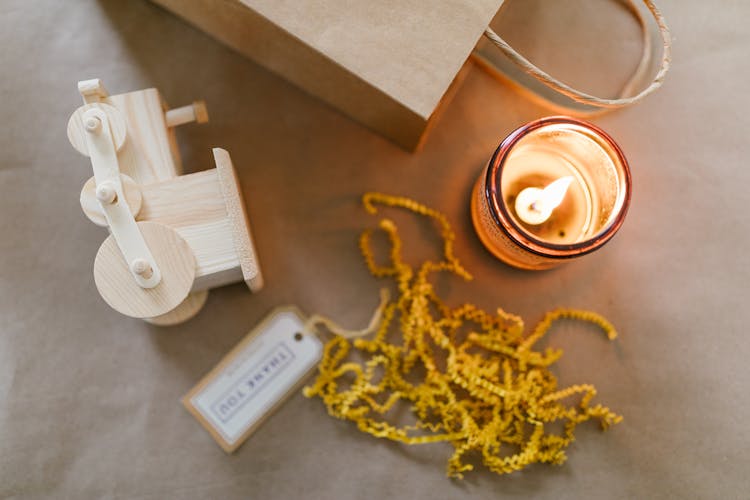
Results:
[195, 112]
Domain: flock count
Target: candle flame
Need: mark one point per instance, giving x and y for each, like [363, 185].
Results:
[552, 195]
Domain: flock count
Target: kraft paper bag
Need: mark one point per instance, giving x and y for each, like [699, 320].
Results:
[387, 64]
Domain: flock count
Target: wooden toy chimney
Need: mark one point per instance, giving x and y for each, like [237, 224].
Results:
[172, 237]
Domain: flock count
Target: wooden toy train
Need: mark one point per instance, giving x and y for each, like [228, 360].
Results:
[172, 237]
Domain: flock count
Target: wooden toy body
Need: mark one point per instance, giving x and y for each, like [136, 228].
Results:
[205, 208]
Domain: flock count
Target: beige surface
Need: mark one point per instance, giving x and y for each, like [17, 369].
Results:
[89, 400]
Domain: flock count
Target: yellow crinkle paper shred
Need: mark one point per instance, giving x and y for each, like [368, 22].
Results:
[487, 392]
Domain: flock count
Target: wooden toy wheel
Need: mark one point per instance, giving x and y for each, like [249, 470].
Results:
[93, 209]
[185, 311]
[77, 132]
[119, 289]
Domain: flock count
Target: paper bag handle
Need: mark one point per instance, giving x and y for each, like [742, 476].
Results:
[624, 98]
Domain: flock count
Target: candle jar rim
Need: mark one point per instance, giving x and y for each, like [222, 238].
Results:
[514, 231]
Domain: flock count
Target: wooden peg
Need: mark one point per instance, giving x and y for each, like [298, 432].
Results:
[92, 90]
[196, 112]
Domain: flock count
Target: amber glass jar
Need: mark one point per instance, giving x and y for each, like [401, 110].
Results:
[534, 156]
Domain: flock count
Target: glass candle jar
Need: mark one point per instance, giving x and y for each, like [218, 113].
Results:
[555, 189]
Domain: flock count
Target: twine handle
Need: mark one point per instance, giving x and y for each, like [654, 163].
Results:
[624, 99]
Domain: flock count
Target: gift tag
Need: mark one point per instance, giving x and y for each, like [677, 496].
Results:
[255, 377]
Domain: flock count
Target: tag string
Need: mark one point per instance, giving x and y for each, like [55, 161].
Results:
[333, 327]
[625, 97]
[468, 377]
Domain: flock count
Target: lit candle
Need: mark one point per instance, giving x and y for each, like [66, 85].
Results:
[534, 205]
[555, 189]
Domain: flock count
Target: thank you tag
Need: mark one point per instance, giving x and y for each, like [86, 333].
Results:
[254, 378]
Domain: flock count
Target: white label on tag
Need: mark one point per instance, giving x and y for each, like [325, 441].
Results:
[254, 378]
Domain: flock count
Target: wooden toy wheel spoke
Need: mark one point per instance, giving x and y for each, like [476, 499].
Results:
[118, 288]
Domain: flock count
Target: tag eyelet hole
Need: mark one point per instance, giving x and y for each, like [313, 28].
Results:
[298, 337]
